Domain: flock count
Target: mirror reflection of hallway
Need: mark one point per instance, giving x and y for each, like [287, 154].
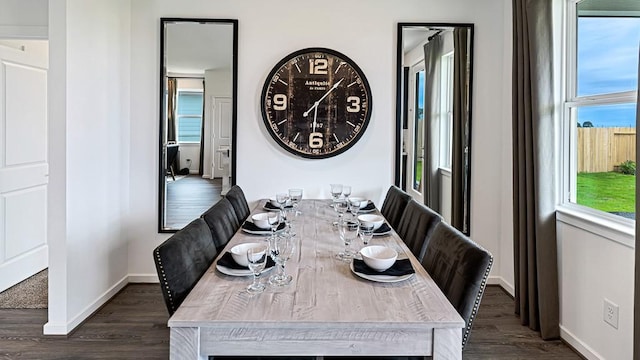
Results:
[197, 107]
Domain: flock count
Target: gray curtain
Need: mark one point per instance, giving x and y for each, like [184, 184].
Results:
[172, 91]
[534, 184]
[430, 158]
[460, 130]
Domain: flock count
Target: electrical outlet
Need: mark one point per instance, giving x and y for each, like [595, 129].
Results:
[611, 311]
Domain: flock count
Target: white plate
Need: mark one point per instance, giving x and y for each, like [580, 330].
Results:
[238, 272]
[261, 232]
[258, 232]
[381, 278]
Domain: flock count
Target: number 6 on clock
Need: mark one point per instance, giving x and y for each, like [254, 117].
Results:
[315, 140]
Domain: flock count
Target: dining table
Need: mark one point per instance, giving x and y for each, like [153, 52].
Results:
[328, 309]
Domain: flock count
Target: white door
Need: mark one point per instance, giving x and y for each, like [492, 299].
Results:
[221, 137]
[23, 160]
[414, 143]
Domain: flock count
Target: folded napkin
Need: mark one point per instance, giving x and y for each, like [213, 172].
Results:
[399, 268]
[384, 228]
[227, 261]
[370, 206]
[270, 206]
[248, 225]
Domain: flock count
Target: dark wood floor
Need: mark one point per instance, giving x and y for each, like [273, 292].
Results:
[133, 326]
[188, 198]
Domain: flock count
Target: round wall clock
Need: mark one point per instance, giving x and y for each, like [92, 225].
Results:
[316, 103]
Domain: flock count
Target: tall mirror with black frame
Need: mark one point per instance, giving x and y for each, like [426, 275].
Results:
[434, 117]
[198, 69]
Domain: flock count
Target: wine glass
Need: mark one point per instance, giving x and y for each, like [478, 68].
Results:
[340, 207]
[348, 232]
[365, 231]
[295, 195]
[354, 206]
[257, 260]
[336, 191]
[346, 191]
[281, 250]
[282, 199]
[275, 218]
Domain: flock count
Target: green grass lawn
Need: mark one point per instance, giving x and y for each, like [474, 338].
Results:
[607, 191]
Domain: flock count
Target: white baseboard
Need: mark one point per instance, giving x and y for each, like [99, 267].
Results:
[578, 345]
[499, 280]
[65, 329]
[144, 278]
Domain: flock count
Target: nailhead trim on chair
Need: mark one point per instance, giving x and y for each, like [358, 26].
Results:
[164, 280]
[483, 284]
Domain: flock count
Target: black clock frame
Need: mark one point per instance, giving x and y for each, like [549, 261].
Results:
[285, 60]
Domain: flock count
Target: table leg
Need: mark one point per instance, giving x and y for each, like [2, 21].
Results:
[185, 344]
[447, 344]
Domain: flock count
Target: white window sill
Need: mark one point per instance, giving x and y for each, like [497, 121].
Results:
[611, 227]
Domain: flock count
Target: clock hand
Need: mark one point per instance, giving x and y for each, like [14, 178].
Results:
[315, 115]
[315, 104]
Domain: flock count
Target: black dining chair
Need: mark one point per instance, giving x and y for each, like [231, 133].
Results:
[181, 260]
[222, 222]
[393, 205]
[416, 226]
[235, 195]
[460, 267]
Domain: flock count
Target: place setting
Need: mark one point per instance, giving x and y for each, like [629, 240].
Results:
[380, 264]
[377, 263]
[380, 226]
[264, 224]
[235, 262]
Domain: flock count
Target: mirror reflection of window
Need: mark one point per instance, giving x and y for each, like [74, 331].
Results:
[446, 111]
[189, 114]
[418, 130]
[434, 84]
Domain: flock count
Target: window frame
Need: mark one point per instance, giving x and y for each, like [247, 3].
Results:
[614, 227]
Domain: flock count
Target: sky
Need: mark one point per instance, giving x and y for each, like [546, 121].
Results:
[608, 62]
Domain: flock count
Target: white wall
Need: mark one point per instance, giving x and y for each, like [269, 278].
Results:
[23, 19]
[371, 42]
[591, 269]
[89, 156]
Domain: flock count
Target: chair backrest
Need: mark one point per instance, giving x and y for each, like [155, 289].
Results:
[393, 205]
[236, 196]
[416, 226]
[181, 260]
[460, 267]
[222, 222]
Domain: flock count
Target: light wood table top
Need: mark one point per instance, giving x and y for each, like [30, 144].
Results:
[326, 310]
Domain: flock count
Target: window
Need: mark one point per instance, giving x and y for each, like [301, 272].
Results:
[602, 80]
[418, 131]
[189, 116]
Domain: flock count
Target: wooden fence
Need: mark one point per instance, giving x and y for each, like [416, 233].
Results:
[600, 149]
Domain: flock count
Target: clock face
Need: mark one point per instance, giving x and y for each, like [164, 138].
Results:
[316, 103]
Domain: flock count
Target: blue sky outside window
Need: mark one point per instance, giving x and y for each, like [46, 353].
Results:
[607, 62]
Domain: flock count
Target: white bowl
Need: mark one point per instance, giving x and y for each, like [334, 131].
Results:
[239, 252]
[363, 202]
[261, 220]
[378, 257]
[376, 220]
